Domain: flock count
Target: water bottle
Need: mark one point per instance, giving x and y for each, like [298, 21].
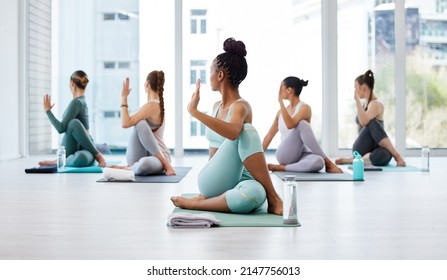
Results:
[358, 167]
[425, 158]
[290, 208]
[61, 158]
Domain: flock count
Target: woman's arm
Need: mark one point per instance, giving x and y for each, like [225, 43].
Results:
[365, 116]
[304, 113]
[126, 119]
[271, 133]
[229, 130]
[73, 109]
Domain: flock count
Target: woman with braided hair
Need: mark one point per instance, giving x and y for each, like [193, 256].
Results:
[236, 178]
[373, 142]
[146, 152]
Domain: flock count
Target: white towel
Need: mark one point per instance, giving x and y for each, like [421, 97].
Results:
[189, 220]
[114, 174]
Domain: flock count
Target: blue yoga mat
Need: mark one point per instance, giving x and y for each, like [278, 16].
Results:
[391, 168]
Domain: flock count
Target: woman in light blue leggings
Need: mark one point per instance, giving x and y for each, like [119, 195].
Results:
[236, 178]
[299, 150]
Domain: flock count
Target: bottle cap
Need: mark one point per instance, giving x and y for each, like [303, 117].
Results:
[356, 154]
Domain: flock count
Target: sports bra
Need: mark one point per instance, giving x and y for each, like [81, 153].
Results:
[151, 124]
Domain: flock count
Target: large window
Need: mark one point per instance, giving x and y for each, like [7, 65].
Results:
[367, 40]
[283, 38]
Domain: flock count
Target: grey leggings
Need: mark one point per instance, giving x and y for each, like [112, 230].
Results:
[141, 150]
[292, 153]
[368, 142]
[79, 145]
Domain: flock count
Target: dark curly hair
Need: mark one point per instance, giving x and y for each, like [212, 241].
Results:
[233, 61]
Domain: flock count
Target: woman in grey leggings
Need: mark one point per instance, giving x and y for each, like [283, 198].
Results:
[299, 149]
[373, 142]
[146, 152]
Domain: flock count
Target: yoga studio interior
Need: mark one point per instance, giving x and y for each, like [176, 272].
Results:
[76, 213]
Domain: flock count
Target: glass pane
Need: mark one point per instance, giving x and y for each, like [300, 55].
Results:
[283, 38]
[426, 73]
[365, 41]
[107, 52]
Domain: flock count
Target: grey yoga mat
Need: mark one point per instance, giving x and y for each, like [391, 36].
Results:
[160, 178]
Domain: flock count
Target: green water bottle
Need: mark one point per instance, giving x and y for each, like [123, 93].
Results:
[357, 167]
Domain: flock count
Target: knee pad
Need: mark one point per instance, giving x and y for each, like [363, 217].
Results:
[380, 157]
[245, 197]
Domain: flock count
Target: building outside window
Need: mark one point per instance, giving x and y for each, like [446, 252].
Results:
[198, 21]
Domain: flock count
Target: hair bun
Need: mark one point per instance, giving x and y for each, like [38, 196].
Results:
[235, 47]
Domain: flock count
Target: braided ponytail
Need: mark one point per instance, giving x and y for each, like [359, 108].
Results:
[161, 82]
[156, 81]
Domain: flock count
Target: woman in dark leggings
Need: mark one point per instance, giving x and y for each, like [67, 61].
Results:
[373, 142]
[81, 150]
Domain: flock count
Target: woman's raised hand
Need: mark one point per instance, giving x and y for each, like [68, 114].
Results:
[192, 106]
[126, 90]
[47, 102]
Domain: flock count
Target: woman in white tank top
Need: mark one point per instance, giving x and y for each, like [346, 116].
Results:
[299, 150]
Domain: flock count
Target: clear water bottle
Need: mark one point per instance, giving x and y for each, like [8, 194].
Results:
[290, 207]
[358, 167]
[425, 158]
[61, 158]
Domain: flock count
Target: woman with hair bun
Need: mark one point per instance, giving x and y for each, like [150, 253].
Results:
[299, 149]
[372, 142]
[236, 178]
[80, 148]
[146, 152]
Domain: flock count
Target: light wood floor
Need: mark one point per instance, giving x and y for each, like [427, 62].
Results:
[400, 215]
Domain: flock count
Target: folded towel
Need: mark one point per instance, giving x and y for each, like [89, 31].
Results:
[114, 174]
[189, 220]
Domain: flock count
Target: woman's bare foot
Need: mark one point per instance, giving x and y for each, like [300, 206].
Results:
[47, 162]
[331, 167]
[400, 162]
[119, 167]
[187, 203]
[275, 206]
[276, 167]
[344, 161]
[101, 161]
[169, 171]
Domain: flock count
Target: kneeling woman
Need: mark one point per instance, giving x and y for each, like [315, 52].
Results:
[146, 152]
[236, 178]
[80, 148]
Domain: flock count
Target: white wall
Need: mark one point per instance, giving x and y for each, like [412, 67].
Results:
[9, 80]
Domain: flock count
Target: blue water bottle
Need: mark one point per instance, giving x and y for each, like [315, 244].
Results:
[357, 167]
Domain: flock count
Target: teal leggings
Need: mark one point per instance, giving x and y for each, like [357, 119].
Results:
[225, 173]
[79, 145]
